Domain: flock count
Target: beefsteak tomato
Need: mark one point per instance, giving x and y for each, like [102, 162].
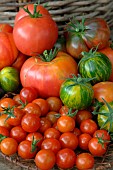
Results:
[47, 77]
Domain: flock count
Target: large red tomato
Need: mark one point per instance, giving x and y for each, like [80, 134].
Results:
[108, 51]
[34, 34]
[30, 7]
[8, 50]
[47, 77]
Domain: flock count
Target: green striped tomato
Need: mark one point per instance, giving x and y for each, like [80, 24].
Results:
[76, 94]
[105, 118]
[95, 64]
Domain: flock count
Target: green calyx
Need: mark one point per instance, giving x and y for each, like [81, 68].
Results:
[2, 137]
[72, 114]
[35, 13]
[101, 140]
[108, 114]
[34, 144]
[49, 55]
[76, 27]
[9, 111]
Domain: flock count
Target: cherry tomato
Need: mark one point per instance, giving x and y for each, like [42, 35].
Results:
[65, 158]
[25, 150]
[88, 126]
[52, 133]
[69, 140]
[18, 133]
[37, 137]
[45, 124]
[65, 124]
[28, 94]
[9, 146]
[33, 108]
[77, 131]
[52, 116]
[6, 102]
[17, 99]
[83, 115]
[84, 161]
[102, 133]
[30, 122]
[3, 122]
[97, 147]
[64, 110]
[4, 131]
[45, 159]
[83, 140]
[54, 103]
[43, 105]
[51, 143]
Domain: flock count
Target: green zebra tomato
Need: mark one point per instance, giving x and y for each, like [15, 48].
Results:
[9, 79]
[95, 64]
[76, 93]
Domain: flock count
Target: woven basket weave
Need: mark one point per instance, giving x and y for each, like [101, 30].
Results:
[61, 10]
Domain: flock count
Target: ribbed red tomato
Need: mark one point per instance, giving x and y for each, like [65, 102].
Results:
[47, 77]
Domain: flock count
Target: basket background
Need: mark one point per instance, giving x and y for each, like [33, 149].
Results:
[61, 10]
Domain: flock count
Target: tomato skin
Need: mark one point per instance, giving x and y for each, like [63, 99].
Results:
[84, 161]
[54, 103]
[9, 146]
[52, 117]
[45, 124]
[65, 158]
[52, 133]
[42, 30]
[8, 50]
[3, 122]
[88, 126]
[5, 27]
[51, 143]
[45, 159]
[24, 150]
[96, 148]
[47, 82]
[30, 122]
[7, 102]
[4, 131]
[65, 124]
[83, 115]
[103, 90]
[18, 133]
[83, 140]
[69, 140]
[30, 7]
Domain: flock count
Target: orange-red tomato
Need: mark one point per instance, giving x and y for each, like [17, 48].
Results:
[6, 102]
[83, 115]
[52, 133]
[5, 27]
[54, 103]
[45, 124]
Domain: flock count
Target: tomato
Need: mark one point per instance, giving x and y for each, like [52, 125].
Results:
[52, 133]
[17, 99]
[43, 105]
[77, 131]
[32, 108]
[103, 90]
[102, 133]
[76, 92]
[25, 150]
[21, 13]
[9, 146]
[65, 124]
[8, 49]
[108, 51]
[88, 126]
[18, 133]
[64, 110]
[5, 27]
[68, 140]
[6, 102]
[52, 116]
[30, 122]
[84, 161]
[86, 34]
[83, 140]
[45, 124]
[21, 58]
[3, 122]
[41, 29]
[14, 116]
[51, 143]
[47, 77]
[54, 103]
[97, 147]
[100, 63]
[28, 94]
[4, 131]
[65, 158]
[45, 159]
[83, 115]
[37, 137]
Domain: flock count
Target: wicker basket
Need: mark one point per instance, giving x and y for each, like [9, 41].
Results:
[61, 10]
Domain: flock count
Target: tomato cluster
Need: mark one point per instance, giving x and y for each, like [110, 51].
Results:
[49, 132]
